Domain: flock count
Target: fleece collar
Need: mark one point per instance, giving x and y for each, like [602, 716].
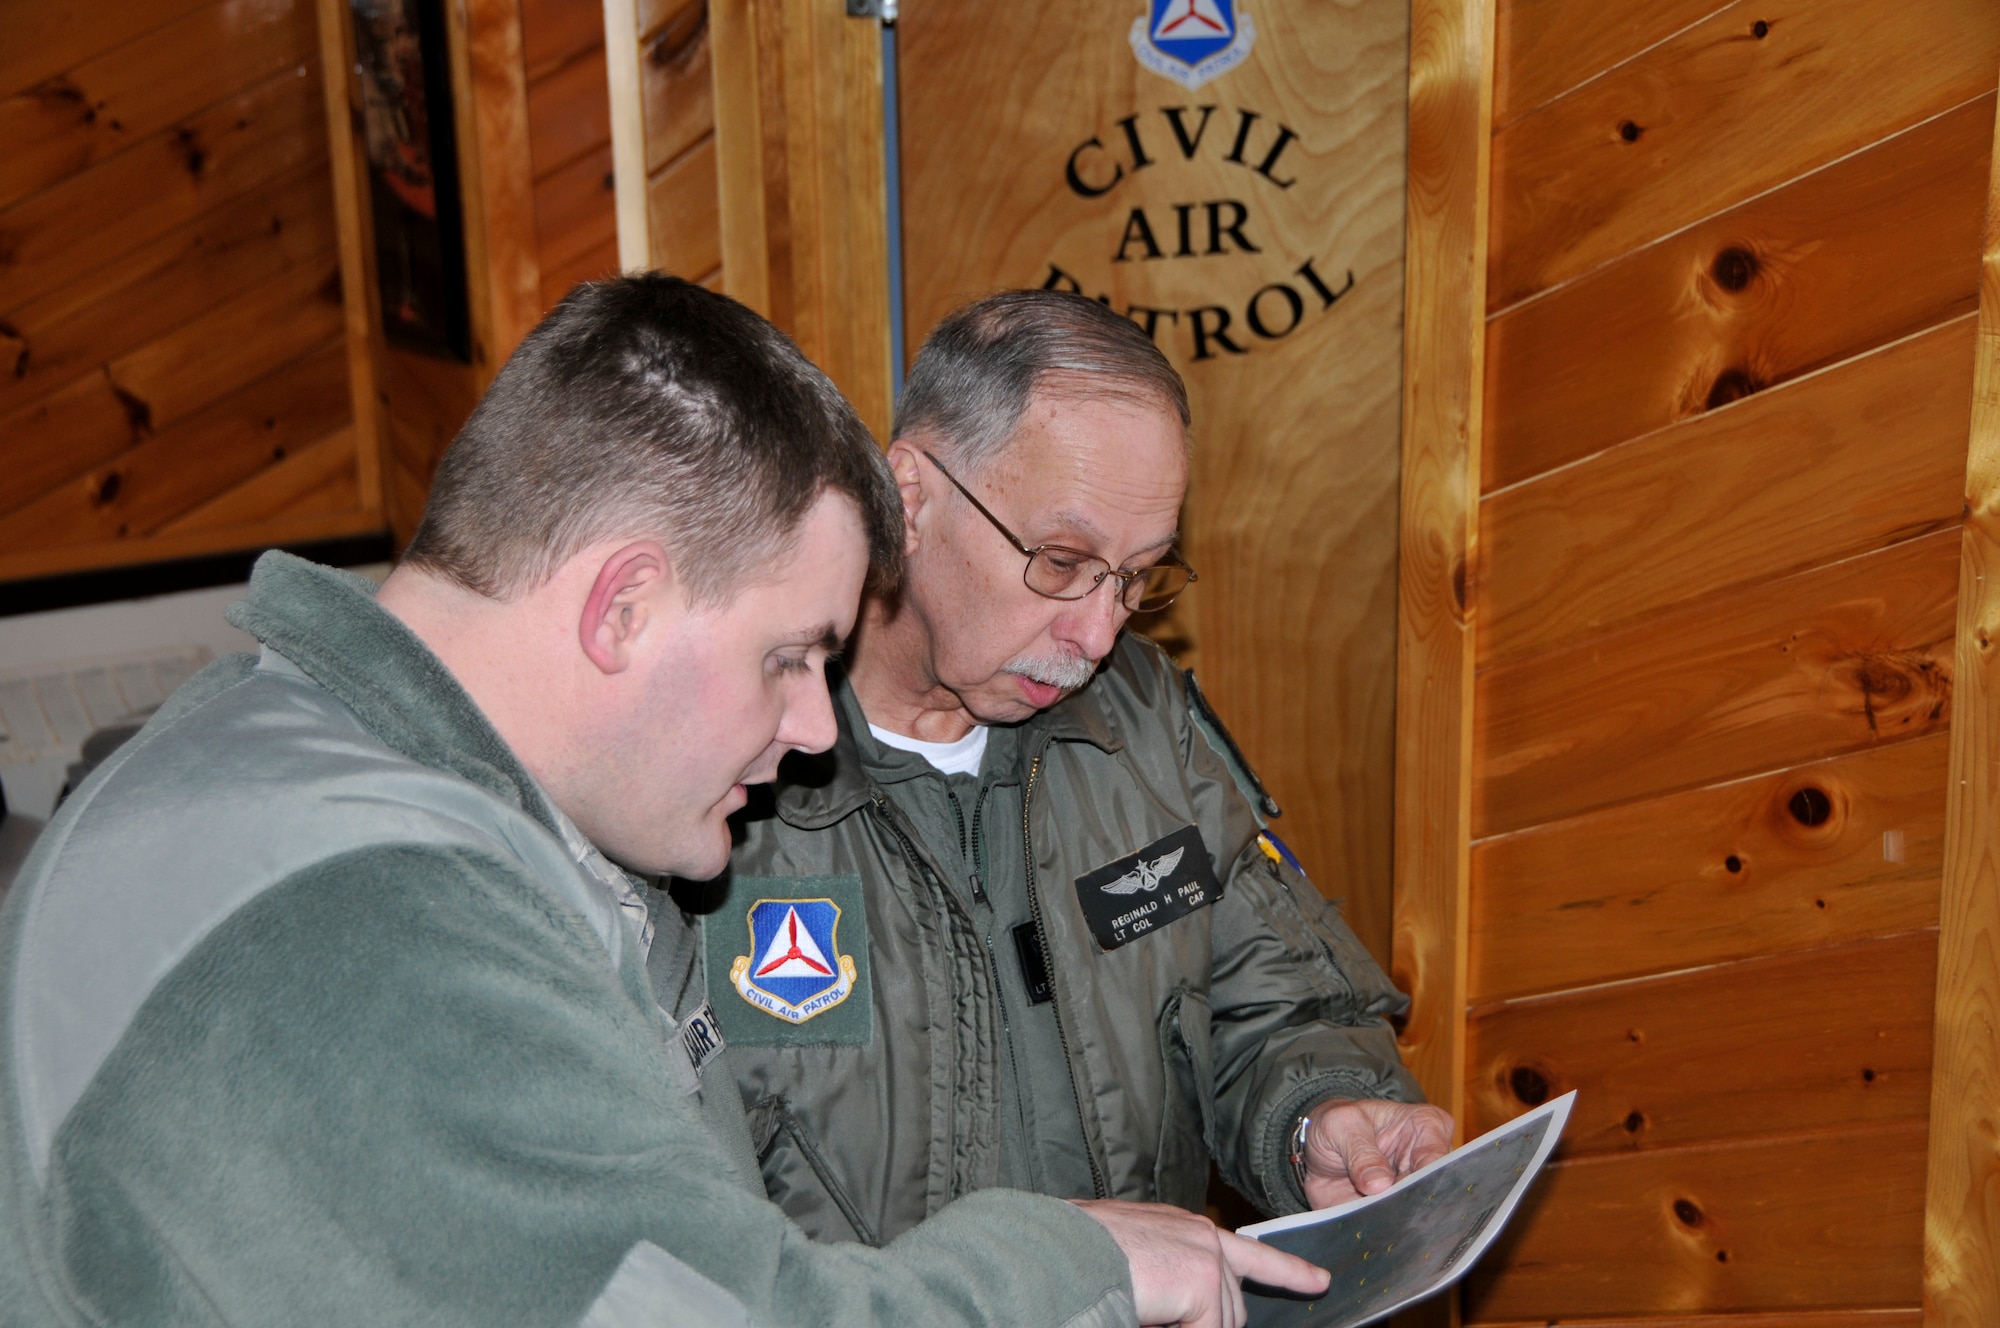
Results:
[816, 791]
[327, 623]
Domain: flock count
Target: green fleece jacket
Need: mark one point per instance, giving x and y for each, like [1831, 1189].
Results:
[313, 1009]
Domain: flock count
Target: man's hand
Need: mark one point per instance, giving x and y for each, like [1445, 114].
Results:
[1186, 1270]
[1363, 1147]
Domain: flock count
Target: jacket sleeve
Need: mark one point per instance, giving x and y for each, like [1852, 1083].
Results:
[405, 1086]
[1299, 1008]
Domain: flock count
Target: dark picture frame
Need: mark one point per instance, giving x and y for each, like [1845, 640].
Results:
[402, 96]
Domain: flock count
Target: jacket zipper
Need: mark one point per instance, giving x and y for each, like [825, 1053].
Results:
[881, 804]
[1098, 1186]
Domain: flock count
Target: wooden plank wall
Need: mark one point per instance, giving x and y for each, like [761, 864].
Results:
[170, 301]
[1730, 316]
[569, 130]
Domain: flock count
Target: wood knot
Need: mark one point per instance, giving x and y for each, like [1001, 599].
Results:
[1630, 130]
[1635, 1122]
[1760, 29]
[1732, 384]
[1897, 690]
[108, 486]
[677, 46]
[193, 156]
[1529, 1085]
[1732, 864]
[1734, 268]
[1688, 1212]
[1810, 806]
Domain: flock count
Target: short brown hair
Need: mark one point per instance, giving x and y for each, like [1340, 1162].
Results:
[983, 364]
[648, 405]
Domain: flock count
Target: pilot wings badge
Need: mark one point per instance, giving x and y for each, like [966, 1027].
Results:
[1144, 891]
[1146, 876]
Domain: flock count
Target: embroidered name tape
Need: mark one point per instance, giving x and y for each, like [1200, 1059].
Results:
[788, 964]
[1144, 891]
[701, 1038]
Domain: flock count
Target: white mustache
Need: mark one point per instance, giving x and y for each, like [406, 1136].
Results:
[1068, 672]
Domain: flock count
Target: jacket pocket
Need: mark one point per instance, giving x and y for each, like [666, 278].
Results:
[1187, 1116]
[783, 1141]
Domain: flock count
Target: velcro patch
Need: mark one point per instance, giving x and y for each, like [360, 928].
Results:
[786, 962]
[1144, 891]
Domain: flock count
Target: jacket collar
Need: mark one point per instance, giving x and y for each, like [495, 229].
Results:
[815, 791]
[327, 623]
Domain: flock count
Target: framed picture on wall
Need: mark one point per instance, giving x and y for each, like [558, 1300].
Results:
[403, 78]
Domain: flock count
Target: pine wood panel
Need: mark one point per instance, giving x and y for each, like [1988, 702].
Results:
[1718, 115]
[804, 205]
[1778, 287]
[503, 260]
[1837, 659]
[1450, 103]
[1859, 457]
[214, 159]
[74, 427]
[1814, 1040]
[1785, 861]
[675, 83]
[568, 113]
[1546, 47]
[573, 209]
[1909, 1316]
[165, 545]
[108, 103]
[211, 451]
[244, 339]
[682, 211]
[38, 41]
[426, 401]
[110, 310]
[1827, 1220]
[1962, 1220]
[555, 32]
[323, 477]
[587, 266]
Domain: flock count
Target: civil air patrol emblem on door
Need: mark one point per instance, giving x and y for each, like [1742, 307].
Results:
[1192, 41]
[794, 970]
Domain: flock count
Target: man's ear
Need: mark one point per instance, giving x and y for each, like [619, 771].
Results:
[629, 596]
[908, 468]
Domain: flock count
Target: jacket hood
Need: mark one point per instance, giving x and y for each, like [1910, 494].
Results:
[327, 623]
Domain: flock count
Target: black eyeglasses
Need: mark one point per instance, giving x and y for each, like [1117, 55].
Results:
[1064, 573]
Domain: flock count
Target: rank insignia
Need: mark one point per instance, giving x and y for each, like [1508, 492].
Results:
[795, 980]
[1144, 891]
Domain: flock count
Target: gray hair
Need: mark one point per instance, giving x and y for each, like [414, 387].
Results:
[983, 364]
[646, 405]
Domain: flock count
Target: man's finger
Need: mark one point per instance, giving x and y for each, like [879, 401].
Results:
[1259, 1262]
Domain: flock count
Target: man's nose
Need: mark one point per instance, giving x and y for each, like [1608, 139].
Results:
[1093, 622]
[808, 724]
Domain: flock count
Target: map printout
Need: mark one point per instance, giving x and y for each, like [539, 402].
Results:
[1414, 1239]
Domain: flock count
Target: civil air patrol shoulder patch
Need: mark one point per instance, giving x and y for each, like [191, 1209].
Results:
[1144, 891]
[787, 961]
[1192, 41]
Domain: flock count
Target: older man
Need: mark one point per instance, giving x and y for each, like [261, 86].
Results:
[1079, 963]
[324, 1001]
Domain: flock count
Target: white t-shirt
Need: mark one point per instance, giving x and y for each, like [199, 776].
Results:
[953, 758]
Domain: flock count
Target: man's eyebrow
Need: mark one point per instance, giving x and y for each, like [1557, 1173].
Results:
[824, 635]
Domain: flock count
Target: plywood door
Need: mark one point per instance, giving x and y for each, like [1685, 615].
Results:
[1254, 226]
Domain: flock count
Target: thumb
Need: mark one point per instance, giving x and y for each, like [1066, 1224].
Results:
[1352, 1139]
